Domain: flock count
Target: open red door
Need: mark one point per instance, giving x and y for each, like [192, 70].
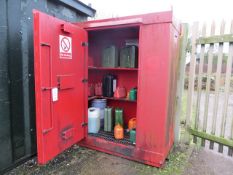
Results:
[60, 70]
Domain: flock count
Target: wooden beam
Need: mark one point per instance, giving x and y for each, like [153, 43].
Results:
[215, 39]
[210, 137]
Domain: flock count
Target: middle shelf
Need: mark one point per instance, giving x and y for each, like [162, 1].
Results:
[112, 98]
[112, 68]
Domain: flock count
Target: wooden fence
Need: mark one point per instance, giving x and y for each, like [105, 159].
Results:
[209, 113]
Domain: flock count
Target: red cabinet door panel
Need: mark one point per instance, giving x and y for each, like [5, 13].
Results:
[59, 59]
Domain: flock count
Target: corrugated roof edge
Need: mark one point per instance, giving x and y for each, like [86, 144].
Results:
[80, 6]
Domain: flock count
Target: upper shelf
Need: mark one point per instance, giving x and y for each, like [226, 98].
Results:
[111, 68]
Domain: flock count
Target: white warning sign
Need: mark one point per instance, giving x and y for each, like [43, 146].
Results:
[65, 44]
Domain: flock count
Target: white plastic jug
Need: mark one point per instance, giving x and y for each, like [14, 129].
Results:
[93, 120]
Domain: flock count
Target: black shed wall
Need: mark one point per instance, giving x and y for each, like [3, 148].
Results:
[5, 125]
[17, 103]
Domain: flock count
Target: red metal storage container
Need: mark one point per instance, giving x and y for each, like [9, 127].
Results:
[67, 55]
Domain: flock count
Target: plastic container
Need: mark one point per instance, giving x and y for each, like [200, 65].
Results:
[101, 104]
[133, 94]
[91, 90]
[109, 85]
[93, 120]
[118, 132]
[132, 136]
[119, 116]
[98, 89]
[132, 123]
[120, 92]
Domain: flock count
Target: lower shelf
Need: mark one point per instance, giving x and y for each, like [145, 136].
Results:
[109, 136]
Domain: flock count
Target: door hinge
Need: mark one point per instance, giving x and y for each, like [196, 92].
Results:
[85, 80]
[85, 44]
[84, 124]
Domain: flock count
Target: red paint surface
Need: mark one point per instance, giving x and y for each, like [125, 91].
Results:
[58, 123]
[155, 78]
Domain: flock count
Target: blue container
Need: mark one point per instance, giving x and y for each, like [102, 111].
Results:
[101, 104]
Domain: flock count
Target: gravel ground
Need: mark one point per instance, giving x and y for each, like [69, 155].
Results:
[183, 160]
[206, 162]
[84, 161]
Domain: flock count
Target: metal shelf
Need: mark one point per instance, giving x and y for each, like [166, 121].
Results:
[112, 98]
[109, 136]
[112, 68]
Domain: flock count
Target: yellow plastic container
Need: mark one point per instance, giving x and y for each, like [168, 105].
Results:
[118, 132]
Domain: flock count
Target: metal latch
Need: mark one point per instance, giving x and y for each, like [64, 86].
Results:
[46, 88]
[45, 44]
[84, 43]
[85, 80]
[84, 124]
[67, 134]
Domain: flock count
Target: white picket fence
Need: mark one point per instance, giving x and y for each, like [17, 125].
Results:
[209, 114]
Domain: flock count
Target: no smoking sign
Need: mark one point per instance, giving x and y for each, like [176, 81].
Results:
[65, 44]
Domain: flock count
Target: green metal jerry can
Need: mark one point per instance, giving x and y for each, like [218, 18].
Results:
[110, 56]
[108, 119]
[128, 56]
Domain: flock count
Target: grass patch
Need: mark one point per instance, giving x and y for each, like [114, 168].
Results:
[175, 165]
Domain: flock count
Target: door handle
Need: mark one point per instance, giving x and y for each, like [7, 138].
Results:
[54, 97]
[45, 131]
[48, 88]
[54, 92]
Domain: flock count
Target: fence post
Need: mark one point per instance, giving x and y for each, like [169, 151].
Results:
[180, 83]
[199, 83]
[191, 81]
[226, 89]
[208, 82]
[217, 84]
